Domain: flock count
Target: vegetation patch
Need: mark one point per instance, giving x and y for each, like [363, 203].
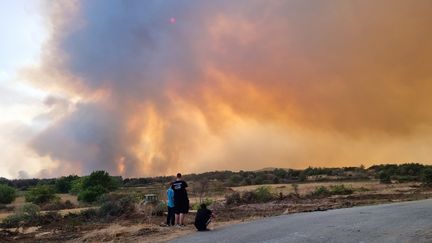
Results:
[7, 194]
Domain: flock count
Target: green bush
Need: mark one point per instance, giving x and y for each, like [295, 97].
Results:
[427, 177]
[12, 221]
[206, 201]
[7, 194]
[77, 186]
[40, 194]
[64, 183]
[263, 194]
[91, 194]
[28, 213]
[29, 209]
[92, 187]
[341, 190]
[385, 178]
[321, 191]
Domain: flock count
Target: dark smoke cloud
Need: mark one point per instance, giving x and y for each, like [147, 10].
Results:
[229, 76]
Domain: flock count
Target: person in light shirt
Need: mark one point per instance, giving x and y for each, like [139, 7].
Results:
[170, 206]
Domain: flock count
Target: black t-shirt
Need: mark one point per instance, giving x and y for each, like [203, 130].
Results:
[202, 217]
[180, 193]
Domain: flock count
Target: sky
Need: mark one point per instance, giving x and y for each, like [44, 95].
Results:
[146, 88]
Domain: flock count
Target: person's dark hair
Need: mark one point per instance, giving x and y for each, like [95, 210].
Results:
[178, 175]
[203, 206]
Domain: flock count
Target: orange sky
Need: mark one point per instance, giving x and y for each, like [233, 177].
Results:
[235, 85]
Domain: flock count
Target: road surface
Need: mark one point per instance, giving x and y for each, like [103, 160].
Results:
[397, 222]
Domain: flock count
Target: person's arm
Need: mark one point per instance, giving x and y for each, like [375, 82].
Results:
[185, 184]
[212, 215]
[171, 195]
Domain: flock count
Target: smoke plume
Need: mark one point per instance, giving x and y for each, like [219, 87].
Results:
[164, 86]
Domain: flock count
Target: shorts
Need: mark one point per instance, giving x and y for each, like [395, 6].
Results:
[181, 207]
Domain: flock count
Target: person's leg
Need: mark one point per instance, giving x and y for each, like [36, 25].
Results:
[168, 216]
[182, 219]
[172, 220]
[177, 219]
[207, 223]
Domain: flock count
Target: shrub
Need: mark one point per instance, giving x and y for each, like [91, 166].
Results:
[427, 177]
[12, 221]
[263, 194]
[110, 208]
[235, 180]
[206, 201]
[7, 194]
[248, 197]
[64, 184]
[89, 213]
[159, 209]
[341, 190]
[321, 191]
[77, 185]
[29, 209]
[28, 213]
[385, 178]
[58, 205]
[362, 189]
[124, 205]
[40, 194]
[91, 194]
[233, 198]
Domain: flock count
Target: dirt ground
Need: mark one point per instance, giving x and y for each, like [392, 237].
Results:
[139, 228]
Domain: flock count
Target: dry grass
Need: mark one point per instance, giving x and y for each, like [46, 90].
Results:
[20, 201]
[305, 188]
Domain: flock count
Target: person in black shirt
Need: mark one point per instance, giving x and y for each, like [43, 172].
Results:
[181, 200]
[203, 218]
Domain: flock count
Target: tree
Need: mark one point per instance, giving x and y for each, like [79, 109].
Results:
[7, 194]
[64, 184]
[281, 173]
[95, 185]
[385, 177]
[100, 178]
[235, 180]
[40, 194]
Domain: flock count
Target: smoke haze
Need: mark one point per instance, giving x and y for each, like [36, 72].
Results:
[155, 87]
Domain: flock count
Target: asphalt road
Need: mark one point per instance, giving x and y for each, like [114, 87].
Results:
[397, 222]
